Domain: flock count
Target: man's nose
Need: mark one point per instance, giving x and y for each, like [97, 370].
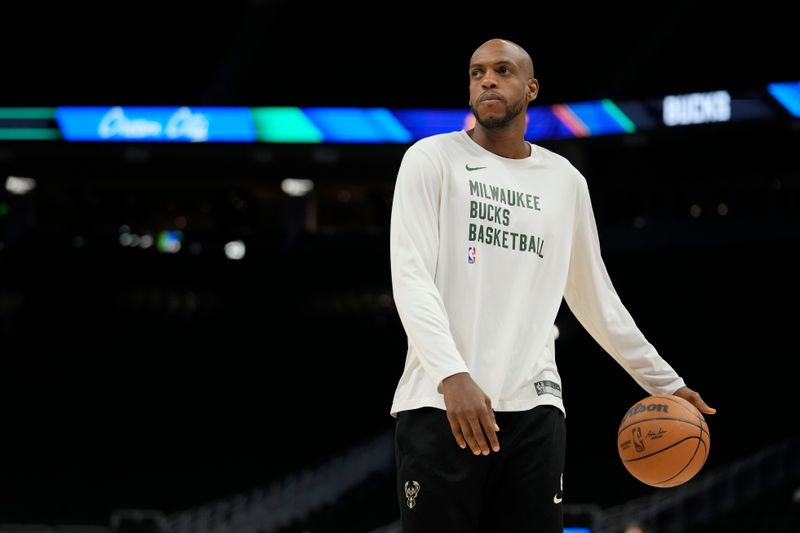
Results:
[488, 82]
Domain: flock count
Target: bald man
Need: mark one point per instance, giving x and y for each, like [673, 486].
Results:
[488, 234]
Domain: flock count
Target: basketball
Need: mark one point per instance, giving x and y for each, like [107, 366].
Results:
[663, 440]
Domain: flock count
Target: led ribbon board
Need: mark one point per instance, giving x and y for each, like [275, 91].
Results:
[156, 124]
[788, 94]
[369, 125]
[28, 124]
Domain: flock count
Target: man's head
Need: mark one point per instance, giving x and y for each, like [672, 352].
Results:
[501, 83]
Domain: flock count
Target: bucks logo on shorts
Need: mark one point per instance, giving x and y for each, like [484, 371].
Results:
[412, 489]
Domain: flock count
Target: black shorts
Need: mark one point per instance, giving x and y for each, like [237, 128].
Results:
[442, 488]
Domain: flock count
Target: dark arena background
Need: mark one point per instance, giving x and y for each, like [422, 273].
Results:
[197, 326]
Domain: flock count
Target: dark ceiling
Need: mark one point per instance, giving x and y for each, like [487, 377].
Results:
[294, 53]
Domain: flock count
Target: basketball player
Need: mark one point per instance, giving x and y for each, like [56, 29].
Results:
[488, 234]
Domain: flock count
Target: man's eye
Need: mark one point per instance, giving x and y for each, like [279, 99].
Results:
[502, 70]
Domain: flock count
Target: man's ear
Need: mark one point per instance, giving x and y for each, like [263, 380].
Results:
[533, 89]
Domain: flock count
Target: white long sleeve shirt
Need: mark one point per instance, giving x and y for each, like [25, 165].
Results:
[483, 248]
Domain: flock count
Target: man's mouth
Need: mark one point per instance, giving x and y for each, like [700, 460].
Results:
[490, 97]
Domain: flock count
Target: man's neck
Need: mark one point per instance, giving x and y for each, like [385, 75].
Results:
[508, 141]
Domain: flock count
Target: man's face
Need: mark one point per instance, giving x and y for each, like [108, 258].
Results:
[499, 86]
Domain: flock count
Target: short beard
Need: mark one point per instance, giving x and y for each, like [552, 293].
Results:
[499, 122]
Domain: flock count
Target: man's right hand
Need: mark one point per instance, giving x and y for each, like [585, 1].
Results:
[469, 411]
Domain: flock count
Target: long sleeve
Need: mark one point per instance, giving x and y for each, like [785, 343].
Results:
[594, 302]
[414, 245]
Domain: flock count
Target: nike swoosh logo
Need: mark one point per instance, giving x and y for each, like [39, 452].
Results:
[556, 499]
[473, 168]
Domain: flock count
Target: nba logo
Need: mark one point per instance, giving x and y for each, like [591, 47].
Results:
[471, 255]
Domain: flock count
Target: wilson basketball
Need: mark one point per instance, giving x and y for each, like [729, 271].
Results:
[663, 440]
